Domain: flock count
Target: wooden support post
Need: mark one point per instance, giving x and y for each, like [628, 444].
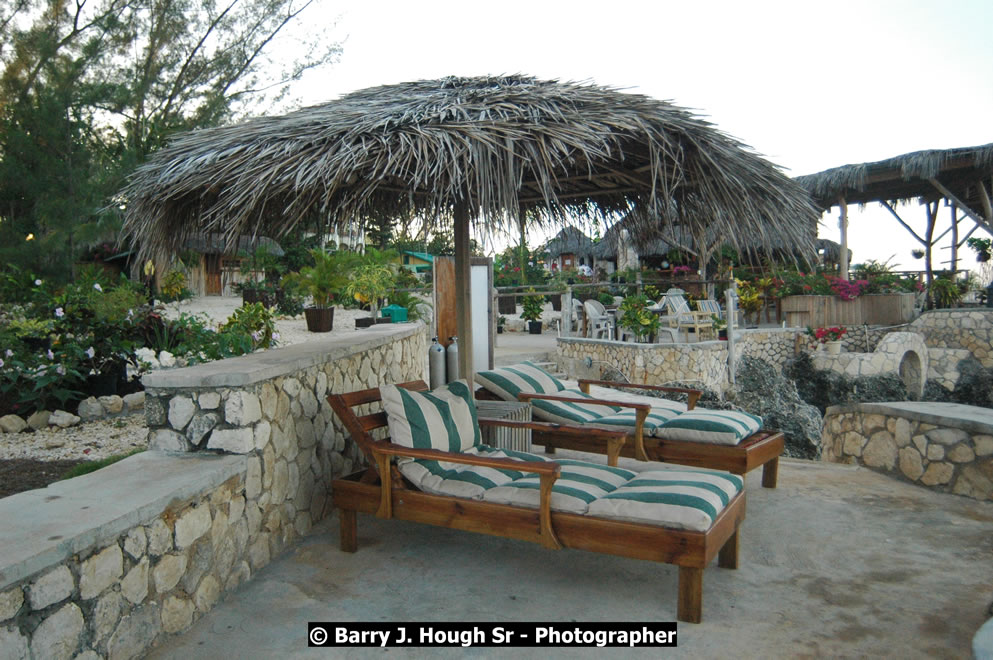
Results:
[728, 556]
[932, 216]
[843, 256]
[955, 238]
[566, 327]
[463, 289]
[689, 606]
[349, 532]
[770, 472]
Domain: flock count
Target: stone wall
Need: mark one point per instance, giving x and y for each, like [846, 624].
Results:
[944, 446]
[901, 353]
[775, 346]
[703, 363]
[969, 329]
[105, 564]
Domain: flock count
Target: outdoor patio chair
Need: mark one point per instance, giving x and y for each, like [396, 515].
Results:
[658, 429]
[433, 470]
[680, 316]
[712, 308]
[599, 324]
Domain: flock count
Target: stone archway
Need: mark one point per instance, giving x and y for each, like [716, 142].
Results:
[911, 374]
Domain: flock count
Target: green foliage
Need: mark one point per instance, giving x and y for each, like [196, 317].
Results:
[605, 298]
[174, 286]
[946, 292]
[417, 308]
[532, 306]
[253, 320]
[89, 89]
[326, 278]
[982, 246]
[637, 318]
[93, 466]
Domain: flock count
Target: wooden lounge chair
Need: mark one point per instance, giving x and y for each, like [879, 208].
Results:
[384, 491]
[643, 417]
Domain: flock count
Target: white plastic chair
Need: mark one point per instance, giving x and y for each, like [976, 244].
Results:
[682, 318]
[599, 324]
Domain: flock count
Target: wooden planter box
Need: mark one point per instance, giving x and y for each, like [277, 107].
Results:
[825, 311]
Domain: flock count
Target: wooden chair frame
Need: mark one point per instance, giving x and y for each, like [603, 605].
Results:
[368, 491]
[761, 449]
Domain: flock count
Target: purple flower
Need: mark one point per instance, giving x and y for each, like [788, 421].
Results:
[59, 313]
[90, 352]
[51, 355]
[257, 336]
[9, 353]
[275, 336]
[60, 370]
[1, 362]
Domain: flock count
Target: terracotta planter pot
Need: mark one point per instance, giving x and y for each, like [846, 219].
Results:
[319, 319]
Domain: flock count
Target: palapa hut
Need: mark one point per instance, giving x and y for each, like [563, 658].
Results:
[569, 249]
[509, 150]
[962, 176]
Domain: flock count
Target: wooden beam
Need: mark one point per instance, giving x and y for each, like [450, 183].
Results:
[984, 199]
[955, 238]
[905, 225]
[975, 217]
[463, 289]
[932, 216]
[843, 256]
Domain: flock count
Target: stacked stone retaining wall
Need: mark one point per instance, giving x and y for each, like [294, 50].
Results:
[106, 564]
[944, 446]
[969, 329]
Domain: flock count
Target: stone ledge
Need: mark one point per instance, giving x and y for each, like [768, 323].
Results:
[44, 527]
[257, 367]
[953, 415]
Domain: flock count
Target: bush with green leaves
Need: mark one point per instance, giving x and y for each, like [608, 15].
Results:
[637, 318]
[532, 306]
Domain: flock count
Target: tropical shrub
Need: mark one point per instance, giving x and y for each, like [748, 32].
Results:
[532, 306]
[637, 318]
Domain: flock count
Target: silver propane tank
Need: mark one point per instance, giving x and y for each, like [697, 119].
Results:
[452, 355]
[436, 364]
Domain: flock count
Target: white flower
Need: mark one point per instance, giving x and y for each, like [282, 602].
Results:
[60, 370]
[51, 355]
[9, 353]
[98, 287]
[1, 362]
[37, 282]
[275, 336]
[90, 352]
[59, 313]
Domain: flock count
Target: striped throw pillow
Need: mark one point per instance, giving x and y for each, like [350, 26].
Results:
[443, 419]
[719, 427]
[676, 498]
[461, 480]
[508, 382]
[579, 484]
[571, 412]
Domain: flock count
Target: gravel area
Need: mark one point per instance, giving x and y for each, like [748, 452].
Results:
[90, 441]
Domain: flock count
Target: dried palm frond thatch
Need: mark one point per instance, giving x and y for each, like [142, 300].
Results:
[508, 149]
[902, 177]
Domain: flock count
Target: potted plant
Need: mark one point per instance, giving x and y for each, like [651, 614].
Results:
[501, 322]
[830, 338]
[720, 326]
[321, 282]
[558, 285]
[983, 248]
[917, 253]
[638, 319]
[532, 306]
[369, 283]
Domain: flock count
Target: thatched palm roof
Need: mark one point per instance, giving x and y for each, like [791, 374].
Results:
[962, 170]
[498, 146]
[571, 240]
[215, 244]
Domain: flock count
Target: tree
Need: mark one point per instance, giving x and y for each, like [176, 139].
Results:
[89, 88]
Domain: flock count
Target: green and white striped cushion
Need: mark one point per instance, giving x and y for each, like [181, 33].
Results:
[571, 412]
[460, 480]
[443, 419]
[610, 394]
[578, 484]
[677, 498]
[719, 427]
[508, 382]
[628, 418]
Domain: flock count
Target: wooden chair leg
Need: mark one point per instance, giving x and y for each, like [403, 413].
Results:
[689, 607]
[728, 556]
[349, 531]
[770, 473]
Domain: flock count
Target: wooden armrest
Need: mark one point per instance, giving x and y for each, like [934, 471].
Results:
[524, 396]
[692, 395]
[537, 467]
[561, 429]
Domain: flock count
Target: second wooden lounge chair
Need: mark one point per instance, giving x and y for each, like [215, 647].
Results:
[680, 517]
[659, 429]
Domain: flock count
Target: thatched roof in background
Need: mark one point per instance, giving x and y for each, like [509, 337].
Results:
[215, 244]
[556, 151]
[570, 240]
[962, 171]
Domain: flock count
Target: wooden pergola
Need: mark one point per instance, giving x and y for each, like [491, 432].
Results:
[963, 177]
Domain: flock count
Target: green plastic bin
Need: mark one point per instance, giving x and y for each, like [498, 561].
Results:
[395, 312]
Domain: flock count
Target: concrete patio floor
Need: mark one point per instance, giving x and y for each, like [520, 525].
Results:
[837, 562]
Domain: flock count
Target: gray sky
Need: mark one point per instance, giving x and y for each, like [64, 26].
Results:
[808, 85]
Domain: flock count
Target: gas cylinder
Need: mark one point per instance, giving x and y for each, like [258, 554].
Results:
[452, 355]
[436, 364]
